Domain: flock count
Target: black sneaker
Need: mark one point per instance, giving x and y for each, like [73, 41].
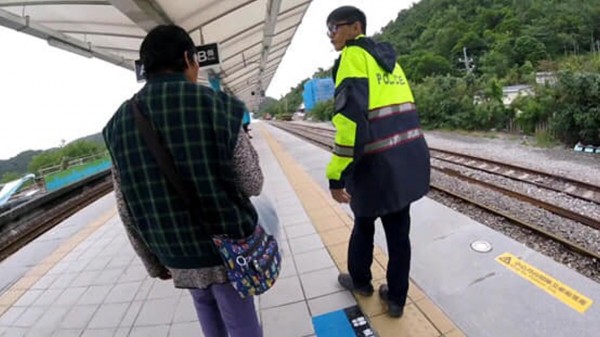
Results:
[345, 281]
[394, 310]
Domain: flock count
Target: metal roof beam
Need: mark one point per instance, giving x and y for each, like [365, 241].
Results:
[255, 54]
[242, 76]
[57, 39]
[242, 87]
[291, 9]
[83, 32]
[240, 79]
[258, 43]
[228, 39]
[273, 8]
[236, 8]
[248, 60]
[238, 54]
[129, 50]
[72, 22]
[54, 3]
[147, 14]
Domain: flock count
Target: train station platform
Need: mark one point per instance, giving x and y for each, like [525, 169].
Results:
[92, 284]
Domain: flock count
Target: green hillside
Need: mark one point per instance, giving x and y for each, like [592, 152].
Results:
[31, 160]
[502, 36]
[458, 56]
[17, 165]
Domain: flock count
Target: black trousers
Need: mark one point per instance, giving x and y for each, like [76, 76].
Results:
[360, 252]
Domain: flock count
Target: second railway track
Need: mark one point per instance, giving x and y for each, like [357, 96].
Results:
[572, 187]
[25, 223]
[323, 137]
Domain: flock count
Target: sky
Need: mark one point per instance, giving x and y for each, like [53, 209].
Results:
[48, 95]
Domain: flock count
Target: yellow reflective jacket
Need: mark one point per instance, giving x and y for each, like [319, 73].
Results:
[380, 154]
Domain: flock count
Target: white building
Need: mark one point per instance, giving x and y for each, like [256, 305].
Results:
[510, 93]
[545, 77]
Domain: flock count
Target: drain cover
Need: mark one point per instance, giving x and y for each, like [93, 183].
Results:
[481, 246]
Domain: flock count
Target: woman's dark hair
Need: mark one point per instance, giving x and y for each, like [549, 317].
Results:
[163, 48]
[348, 14]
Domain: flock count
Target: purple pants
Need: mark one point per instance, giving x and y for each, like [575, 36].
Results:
[222, 312]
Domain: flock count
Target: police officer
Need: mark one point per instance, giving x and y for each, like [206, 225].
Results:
[380, 162]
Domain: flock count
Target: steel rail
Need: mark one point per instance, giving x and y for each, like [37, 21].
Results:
[301, 132]
[522, 223]
[575, 188]
[563, 212]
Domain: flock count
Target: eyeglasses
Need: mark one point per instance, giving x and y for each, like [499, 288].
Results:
[333, 28]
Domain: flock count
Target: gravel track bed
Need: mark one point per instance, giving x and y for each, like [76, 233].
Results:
[519, 151]
[515, 150]
[586, 237]
[580, 206]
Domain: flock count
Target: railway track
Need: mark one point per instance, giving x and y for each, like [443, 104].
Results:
[323, 137]
[565, 213]
[572, 187]
[26, 222]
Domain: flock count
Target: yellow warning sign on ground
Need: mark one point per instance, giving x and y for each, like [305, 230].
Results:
[552, 286]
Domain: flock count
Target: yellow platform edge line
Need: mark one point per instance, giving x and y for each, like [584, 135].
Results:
[334, 227]
[14, 293]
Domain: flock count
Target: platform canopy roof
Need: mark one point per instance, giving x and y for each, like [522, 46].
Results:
[253, 35]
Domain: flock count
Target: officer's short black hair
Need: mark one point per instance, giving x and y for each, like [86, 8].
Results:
[163, 48]
[348, 14]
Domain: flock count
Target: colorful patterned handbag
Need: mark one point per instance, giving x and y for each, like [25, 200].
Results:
[252, 263]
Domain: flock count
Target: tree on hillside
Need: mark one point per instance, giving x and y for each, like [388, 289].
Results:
[18, 163]
[425, 64]
[528, 48]
[322, 73]
[575, 108]
[509, 41]
[74, 150]
[80, 149]
[264, 106]
[45, 159]
[9, 176]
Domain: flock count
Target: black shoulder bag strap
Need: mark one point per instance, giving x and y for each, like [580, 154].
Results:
[165, 162]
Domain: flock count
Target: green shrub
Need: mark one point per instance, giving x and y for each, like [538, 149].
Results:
[576, 108]
[529, 113]
[444, 102]
[323, 111]
[286, 116]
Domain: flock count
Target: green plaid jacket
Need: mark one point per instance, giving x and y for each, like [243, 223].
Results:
[200, 128]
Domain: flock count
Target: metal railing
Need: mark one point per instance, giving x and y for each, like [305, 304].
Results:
[67, 163]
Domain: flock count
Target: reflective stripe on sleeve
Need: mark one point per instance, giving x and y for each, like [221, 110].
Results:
[391, 110]
[394, 140]
[343, 151]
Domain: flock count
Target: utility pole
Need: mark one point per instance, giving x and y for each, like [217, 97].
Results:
[468, 61]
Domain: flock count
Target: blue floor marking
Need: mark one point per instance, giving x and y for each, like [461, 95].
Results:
[333, 324]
